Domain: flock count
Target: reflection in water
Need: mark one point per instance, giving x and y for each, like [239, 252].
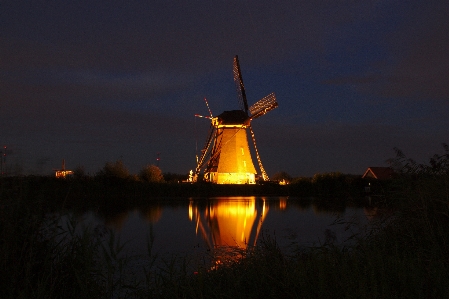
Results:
[370, 212]
[152, 214]
[116, 220]
[227, 225]
[214, 230]
[322, 206]
[283, 203]
[374, 212]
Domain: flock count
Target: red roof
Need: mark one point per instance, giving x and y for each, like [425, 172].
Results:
[380, 173]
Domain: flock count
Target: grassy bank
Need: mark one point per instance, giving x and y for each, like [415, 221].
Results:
[98, 191]
[405, 256]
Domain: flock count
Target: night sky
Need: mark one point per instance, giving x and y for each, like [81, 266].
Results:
[97, 81]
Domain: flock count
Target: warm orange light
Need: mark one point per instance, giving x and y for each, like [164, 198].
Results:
[283, 203]
[190, 211]
[231, 222]
[228, 226]
[235, 178]
[63, 173]
[235, 221]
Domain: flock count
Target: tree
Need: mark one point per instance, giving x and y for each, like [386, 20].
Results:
[174, 177]
[152, 174]
[79, 172]
[115, 170]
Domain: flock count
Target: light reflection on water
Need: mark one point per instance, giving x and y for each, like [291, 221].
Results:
[202, 226]
[229, 221]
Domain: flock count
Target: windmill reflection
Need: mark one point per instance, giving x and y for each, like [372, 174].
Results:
[229, 226]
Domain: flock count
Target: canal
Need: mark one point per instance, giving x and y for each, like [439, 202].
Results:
[212, 229]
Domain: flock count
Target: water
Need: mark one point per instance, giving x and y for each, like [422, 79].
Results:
[204, 226]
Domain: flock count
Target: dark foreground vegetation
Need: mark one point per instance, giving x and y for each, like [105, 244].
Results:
[403, 256]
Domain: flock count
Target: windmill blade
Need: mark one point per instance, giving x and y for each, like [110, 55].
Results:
[201, 116]
[262, 170]
[204, 151]
[239, 85]
[263, 106]
[208, 108]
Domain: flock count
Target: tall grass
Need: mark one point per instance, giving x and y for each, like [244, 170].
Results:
[43, 255]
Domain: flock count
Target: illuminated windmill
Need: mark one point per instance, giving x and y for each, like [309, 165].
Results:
[62, 173]
[228, 160]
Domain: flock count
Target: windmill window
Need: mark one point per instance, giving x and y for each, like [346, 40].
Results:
[242, 151]
[244, 163]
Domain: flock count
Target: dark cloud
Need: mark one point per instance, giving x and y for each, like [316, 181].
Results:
[159, 35]
[416, 62]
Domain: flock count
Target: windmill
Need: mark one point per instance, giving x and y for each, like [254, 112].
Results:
[62, 173]
[226, 153]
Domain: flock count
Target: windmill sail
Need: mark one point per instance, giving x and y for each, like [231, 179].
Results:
[239, 85]
[263, 106]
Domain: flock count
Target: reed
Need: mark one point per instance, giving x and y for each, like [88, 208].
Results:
[44, 255]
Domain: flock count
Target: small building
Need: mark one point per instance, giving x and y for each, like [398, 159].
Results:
[377, 174]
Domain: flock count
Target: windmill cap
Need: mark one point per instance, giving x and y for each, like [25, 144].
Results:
[233, 117]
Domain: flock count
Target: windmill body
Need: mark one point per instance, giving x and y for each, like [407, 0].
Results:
[229, 157]
[231, 161]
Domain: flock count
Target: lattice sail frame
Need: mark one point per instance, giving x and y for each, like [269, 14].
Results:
[240, 87]
[201, 161]
[259, 161]
[263, 106]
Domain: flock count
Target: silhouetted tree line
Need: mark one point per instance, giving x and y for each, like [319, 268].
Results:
[332, 184]
[114, 178]
[117, 171]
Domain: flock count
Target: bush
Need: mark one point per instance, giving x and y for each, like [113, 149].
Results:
[151, 174]
[114, 170]
[79, 172]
